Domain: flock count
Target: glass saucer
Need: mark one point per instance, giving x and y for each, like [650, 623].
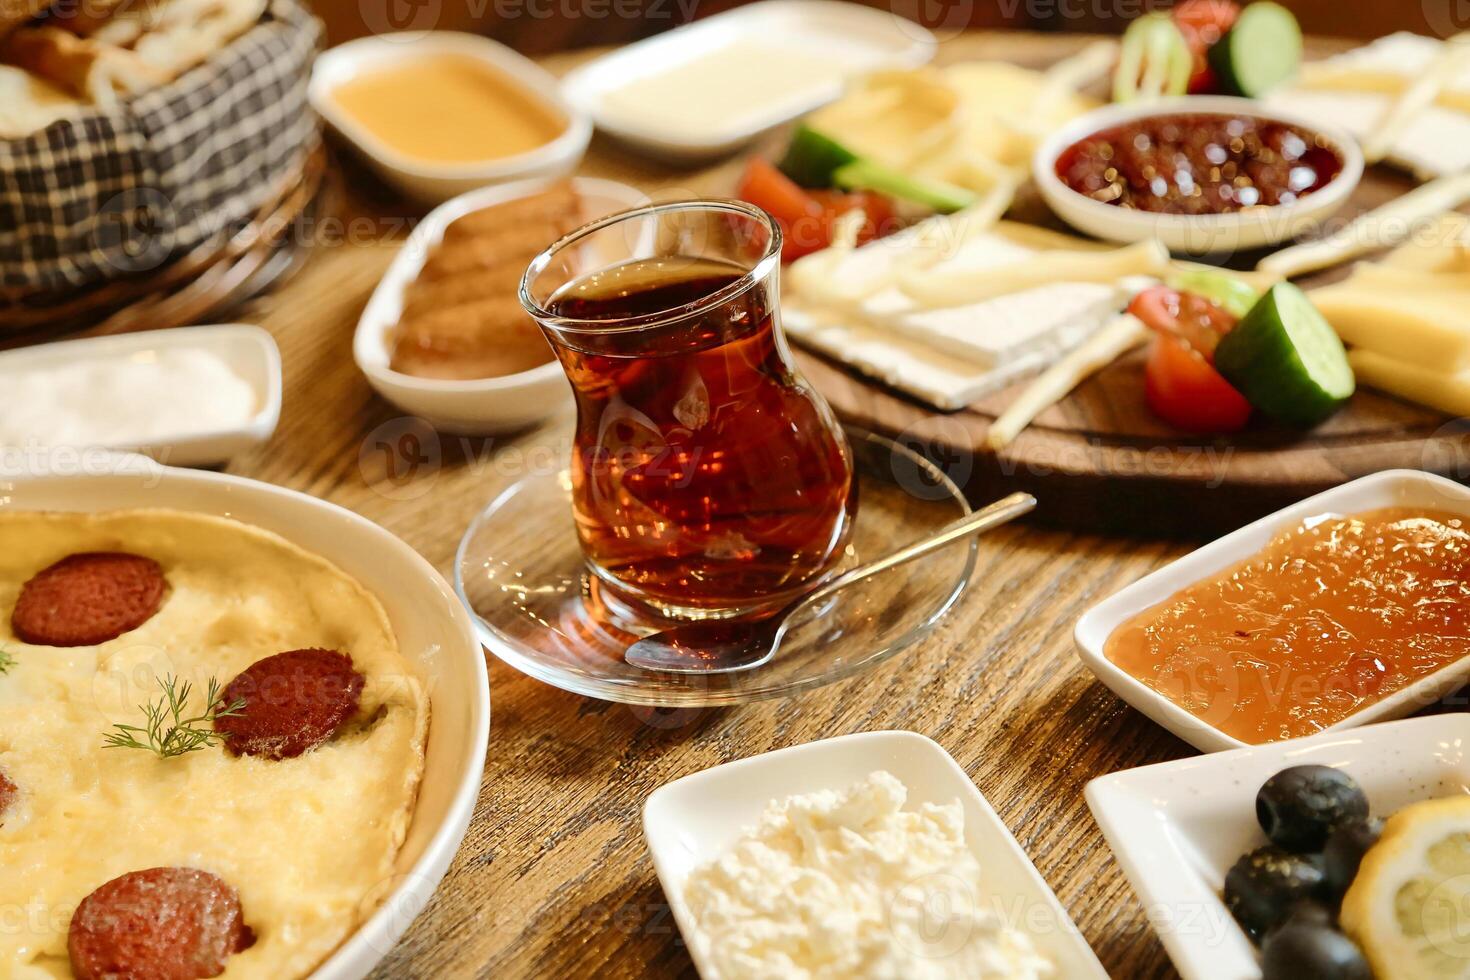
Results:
[520, 571]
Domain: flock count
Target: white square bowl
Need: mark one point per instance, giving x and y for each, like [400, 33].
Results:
[248, 350]
[690, 821]
[1177, 827]
[1391, 488]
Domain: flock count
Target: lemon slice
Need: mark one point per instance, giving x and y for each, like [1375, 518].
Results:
[1409, 906]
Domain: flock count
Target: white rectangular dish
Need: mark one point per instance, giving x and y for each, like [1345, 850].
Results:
[1177, 827]
[424, 179]
[1391, 488]
[852, 38]
[482, 405]
[692, 820]
[248, 351]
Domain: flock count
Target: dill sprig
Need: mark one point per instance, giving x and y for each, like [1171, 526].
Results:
[6, 661]
[167, 732]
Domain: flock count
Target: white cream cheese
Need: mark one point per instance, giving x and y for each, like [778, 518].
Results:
[851, 885]
[123, 401]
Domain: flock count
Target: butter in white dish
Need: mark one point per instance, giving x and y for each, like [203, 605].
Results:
[840, 884]
[123, 400]
[717, 90]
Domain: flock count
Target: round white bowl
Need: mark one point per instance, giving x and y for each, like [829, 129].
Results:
[434, 182]
[484, 405]
[1194, 234]
[432, 626]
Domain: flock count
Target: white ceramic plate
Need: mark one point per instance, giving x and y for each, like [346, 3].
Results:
[1391, 488]
[690, 821]
[432, 627]
[1194, 234]
[1177, 827]
[249, 351]
[483, 405]
[426, 180]
[869, 39]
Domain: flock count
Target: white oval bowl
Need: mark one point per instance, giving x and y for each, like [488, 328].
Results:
[431, 625]
[483, 405]
[1193, 234]
[426, 180]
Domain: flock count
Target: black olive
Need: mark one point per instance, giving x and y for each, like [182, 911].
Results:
[1309, 913]
[1303, 951]
[1299, 806]
[1264, 885]
[1344, 851]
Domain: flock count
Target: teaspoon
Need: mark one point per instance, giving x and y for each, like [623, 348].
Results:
[723, 646]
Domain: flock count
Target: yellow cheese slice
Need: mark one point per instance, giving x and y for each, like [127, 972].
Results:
[1430, 329]
[1437, 247]
[1412, 382]
[1402, 280]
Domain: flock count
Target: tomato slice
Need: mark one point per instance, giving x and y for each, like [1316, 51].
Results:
[803, 228]
[1198, 321]
[1185, 390]
[806, 217]
[1203, 23]
[1180, 381]
[880, 216]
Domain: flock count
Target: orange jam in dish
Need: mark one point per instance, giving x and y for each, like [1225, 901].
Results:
[1329, 618]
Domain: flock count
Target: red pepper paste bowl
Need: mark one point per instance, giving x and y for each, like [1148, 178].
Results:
[1201, 174]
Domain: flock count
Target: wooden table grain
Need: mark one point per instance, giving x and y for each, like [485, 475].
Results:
[553, 879]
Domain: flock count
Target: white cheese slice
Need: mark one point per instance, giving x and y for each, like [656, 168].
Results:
[1401, 53]
[1044, 320]
[948, 383]
[1445, 391]
[1436, 142]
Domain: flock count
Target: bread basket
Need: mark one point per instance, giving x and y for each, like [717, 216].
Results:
[111, 194]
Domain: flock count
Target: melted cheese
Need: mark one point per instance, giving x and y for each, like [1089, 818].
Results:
[309, 843]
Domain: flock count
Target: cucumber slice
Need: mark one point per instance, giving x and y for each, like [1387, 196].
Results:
[864, 175]
[1220, 288]
[1261, 51]
[1286, 359]
[815, 159]
[1153, 61]
[812, 158]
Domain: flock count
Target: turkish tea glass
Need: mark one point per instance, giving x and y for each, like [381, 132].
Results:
[708, 479]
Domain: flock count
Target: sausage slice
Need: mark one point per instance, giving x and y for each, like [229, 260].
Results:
[88, 598]
[158, 924]
[294, 701]
[8, 793]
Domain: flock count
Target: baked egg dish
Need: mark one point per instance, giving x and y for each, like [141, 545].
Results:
[210, 749]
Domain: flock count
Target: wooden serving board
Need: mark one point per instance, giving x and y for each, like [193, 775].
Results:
[1100, 460]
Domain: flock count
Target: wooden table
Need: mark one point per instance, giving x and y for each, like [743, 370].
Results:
[553, 879]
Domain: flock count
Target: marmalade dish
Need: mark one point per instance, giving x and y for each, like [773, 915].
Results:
[1330, 617]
